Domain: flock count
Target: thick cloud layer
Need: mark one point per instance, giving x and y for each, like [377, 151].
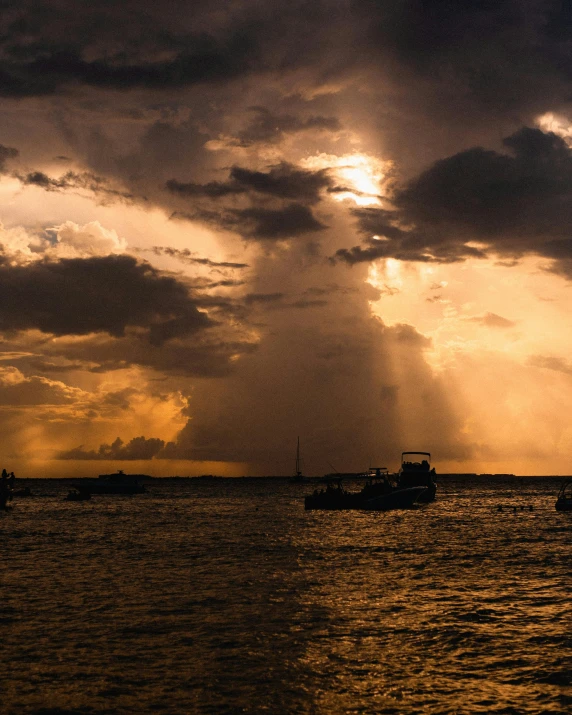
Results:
[291, 188]
[105, 294]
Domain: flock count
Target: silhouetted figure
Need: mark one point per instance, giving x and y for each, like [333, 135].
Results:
[5, 490]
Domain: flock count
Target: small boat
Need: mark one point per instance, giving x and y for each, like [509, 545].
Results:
[24, 492]
[417, 473]
[117, 483]
[78, 495]
[564, 500]
[298, 476]
[378, 494]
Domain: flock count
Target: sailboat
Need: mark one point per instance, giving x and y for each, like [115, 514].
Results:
[298, 476]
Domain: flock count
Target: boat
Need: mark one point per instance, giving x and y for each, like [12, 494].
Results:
[564, 499]
[298, 476]
[378, 494]
[117, 483]
[24, 492]
[416, 471]
[78, 495]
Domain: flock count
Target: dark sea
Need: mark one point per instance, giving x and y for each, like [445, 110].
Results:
[225, 596]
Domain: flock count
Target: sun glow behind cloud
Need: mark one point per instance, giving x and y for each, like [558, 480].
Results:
[557, 124]
[360, 176]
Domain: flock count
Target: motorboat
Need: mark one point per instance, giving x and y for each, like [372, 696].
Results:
[564, 499]
[117, 483]
[378, 494]
[416, 471]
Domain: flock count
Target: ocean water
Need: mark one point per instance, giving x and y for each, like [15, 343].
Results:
[225, 596]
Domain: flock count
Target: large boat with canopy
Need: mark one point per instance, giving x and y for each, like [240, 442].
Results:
[416, 471]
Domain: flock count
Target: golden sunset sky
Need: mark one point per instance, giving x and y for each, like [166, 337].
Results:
[227, 225]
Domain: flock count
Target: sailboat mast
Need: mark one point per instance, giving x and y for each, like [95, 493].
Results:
[298, 472]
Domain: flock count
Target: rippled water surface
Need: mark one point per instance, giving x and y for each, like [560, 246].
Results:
[225, 596]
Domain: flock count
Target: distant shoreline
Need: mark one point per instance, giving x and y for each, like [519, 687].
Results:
[307, 480]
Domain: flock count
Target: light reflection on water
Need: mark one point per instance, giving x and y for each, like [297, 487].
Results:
[227, 597]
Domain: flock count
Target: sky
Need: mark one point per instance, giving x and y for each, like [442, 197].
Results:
[225, 226]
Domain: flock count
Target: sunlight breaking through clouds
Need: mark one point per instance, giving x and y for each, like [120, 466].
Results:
[360, 176]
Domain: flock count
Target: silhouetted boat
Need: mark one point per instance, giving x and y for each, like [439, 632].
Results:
[378, 494]
[24, 492]
[564, 500]
[298, 476]
[118, 483]
[417, 473]
[78, 495]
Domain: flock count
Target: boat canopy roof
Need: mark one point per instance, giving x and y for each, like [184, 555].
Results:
[428, 454]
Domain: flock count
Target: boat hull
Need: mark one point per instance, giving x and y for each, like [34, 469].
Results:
[398, 499]
[338, 500]
[409, 480]
[564, 505]
[118, 483]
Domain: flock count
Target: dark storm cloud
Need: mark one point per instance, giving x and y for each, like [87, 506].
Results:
[47, 65]
[491, 53]
[275, 224]
[513, 203]
[495, 57]
[525, 193]
[268, 127]
[6, 153]
[283, 181]
[137, 448]
[109, 294]
[260, 223]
